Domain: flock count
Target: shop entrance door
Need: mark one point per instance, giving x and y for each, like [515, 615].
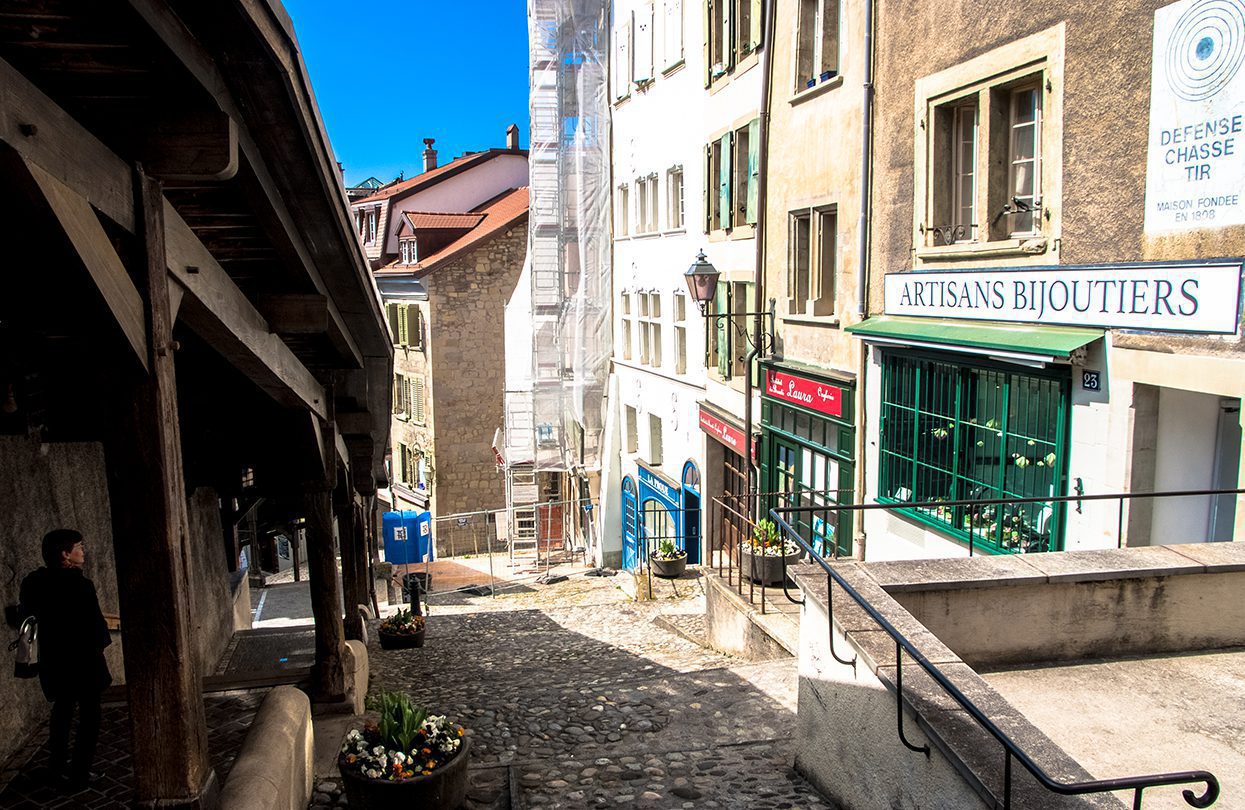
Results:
[630, 536]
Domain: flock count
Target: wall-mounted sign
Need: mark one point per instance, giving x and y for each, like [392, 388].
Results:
[730, 436]
[816, 396]
[1091, 380]
[1196, 167]
[650, 484]
[1160, 297]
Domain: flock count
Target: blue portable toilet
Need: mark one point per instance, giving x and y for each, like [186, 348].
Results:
[419, 531]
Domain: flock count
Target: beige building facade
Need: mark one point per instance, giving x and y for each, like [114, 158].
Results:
[813, 262]
[1039, 325]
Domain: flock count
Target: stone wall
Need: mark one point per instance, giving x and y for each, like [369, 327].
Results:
[45, 487]
[50, 486]
[466, 335]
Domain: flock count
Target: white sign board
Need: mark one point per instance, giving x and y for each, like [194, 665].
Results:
[1162, 297]
[1195, 174]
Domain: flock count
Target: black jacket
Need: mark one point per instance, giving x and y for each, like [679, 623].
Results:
[72, 631]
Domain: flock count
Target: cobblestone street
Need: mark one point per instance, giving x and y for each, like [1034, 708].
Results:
[577, 697]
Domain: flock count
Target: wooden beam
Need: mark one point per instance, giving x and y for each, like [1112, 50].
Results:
[295, 314]
[191, 144]
[216, 309]
[150, 533]
[196, 59]
[48, 136]
[82, 230]
[221, 313]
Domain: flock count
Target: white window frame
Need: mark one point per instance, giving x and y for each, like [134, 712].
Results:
[1033, 200]
[675, 211]
[672, 33]
[622, 210]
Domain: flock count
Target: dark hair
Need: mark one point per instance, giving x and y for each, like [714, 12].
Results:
[56, 542]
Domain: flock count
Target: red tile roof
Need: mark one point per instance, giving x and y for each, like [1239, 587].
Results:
[434, 176]
[420, 219]
[495, 215]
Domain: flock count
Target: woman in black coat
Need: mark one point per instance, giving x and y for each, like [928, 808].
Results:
[72, 638]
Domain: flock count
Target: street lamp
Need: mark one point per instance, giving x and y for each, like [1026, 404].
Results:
[702, 283]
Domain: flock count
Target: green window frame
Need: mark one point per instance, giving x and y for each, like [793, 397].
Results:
[954, 431]
[801, 453]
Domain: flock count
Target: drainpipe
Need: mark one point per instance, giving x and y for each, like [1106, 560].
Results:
[758, 285]
[862, 286]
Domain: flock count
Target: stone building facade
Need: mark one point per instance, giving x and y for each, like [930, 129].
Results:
[446, 315]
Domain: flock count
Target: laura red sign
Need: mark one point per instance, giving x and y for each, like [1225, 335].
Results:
[827, 399]
[732, 437]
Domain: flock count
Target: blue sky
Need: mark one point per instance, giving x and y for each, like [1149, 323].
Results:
[389, 73]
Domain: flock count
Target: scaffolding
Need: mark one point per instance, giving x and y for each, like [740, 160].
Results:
[558, 335]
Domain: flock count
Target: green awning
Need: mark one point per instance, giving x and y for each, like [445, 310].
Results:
[1045, 341]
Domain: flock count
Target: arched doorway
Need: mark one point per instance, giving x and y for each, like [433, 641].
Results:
[630, 537]
[690, 513]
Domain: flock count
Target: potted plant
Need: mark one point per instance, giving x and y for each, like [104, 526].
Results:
[764, 557]
[406, 758]
[668, 562]
[402, 630]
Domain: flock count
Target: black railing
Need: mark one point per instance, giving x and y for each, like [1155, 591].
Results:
[1012, 750]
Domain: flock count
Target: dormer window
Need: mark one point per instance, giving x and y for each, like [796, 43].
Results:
[407, 247]
[371, 226]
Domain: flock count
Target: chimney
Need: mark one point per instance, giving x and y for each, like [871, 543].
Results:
[341, 171]
[512, 137]
[430, 155]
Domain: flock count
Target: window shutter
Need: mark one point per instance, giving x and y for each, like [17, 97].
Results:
[754, 149]
[417, 399]
[672, 31]
[402, 328]
[400, 472]
[625, 64]
[754, 18]
[644, 43]
[728, 34]
[721, 305]
[397, 393]
[413, 326]
[391, 312]
[710, 187]
[708, 26]
[724, 181]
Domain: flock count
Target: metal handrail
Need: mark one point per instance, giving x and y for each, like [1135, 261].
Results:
[1013, 751]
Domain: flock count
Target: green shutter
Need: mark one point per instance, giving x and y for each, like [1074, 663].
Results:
[724, 181]
[847, 476]
[417, 400]
[722, 328]
[708, 15]
[709, 188]
[754, 151]
[754, 36]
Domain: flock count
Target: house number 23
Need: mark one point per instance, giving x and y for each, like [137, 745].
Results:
[1090, 380]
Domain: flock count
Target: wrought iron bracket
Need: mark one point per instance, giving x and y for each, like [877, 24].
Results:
[921, 749]
[763, 342]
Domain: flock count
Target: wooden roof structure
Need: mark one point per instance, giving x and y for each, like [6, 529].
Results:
[212, 100]
[183, 286]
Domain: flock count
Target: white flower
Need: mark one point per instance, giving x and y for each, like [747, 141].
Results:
[379, 750]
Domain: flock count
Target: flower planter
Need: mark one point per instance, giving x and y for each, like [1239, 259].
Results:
[668, 569]
[443, 789]
[401, 641]
[763, 569]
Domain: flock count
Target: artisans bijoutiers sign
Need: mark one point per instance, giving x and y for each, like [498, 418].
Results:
[827, 399]
[1202, 298]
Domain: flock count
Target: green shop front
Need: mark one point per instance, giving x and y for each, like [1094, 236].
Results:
[807, 446]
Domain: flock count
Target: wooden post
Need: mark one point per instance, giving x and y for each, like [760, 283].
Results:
[147, 489]
[352, 563]
[328, 675]
[294, 552]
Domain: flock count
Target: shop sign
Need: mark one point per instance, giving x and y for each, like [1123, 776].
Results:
[649, 480]
[730, 436]
[1201, 298]
[827, 399]
[1195, 170]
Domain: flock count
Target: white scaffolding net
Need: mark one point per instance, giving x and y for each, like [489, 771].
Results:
[554, 415]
